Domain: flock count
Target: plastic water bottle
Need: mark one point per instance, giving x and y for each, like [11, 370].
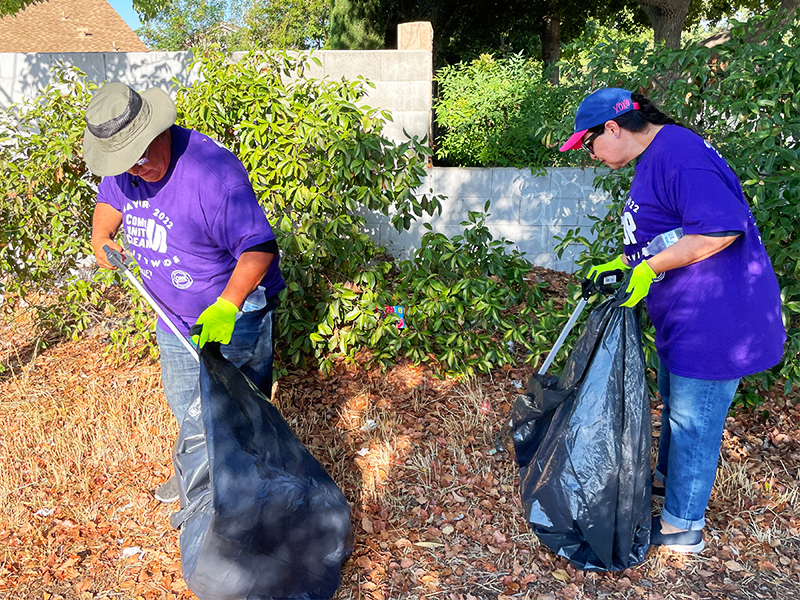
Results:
[662, 242]
[255, 301]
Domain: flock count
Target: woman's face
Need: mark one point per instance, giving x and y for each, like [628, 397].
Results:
[609, 147]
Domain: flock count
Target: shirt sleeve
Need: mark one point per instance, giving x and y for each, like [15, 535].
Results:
[240, 222]
[106, 193]
[706, 204]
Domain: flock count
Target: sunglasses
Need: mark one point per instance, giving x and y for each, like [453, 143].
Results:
[588, 143]
[143, 160]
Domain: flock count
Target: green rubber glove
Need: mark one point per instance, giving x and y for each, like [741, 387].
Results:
[639, 284]
[217, 321]
[598, 271]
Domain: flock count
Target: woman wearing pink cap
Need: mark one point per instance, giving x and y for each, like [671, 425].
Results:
[698, 261]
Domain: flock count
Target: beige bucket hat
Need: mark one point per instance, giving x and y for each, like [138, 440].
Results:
[121, 123]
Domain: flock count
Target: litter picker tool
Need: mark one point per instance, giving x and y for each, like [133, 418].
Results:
[589, 287]
[123, 264]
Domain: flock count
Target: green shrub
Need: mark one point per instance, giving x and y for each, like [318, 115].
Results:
[317, 161]
[468, 307]
[499, 113]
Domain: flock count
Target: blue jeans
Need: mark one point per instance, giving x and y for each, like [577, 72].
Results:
[250, 349]
[692, 421]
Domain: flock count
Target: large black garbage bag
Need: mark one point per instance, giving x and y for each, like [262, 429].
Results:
[260, 518]
[582, 444]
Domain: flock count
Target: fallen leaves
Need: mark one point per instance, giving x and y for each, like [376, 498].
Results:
[437, 513]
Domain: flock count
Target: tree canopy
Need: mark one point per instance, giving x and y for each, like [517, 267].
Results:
[465, 29]
[238, 24]
[182, 24]
[286, 24]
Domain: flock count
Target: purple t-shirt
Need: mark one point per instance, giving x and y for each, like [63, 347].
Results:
[188, 230]
[719, 318]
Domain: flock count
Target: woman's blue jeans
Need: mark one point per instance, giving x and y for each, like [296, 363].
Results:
[692, 421]
[250, 349]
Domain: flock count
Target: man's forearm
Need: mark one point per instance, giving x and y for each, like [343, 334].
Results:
[106, 222]
[249, 271]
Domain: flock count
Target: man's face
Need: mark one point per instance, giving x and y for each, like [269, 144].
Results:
[154, 163]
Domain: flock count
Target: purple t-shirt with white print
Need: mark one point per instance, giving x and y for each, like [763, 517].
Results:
[188, 230]
[719, 318]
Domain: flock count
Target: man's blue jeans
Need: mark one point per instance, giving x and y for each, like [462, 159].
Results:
[250, 349]
[692, 421]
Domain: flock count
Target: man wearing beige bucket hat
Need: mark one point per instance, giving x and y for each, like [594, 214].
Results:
[205, 249]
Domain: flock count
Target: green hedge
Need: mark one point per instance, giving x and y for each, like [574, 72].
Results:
[500, 113]
[317, 160]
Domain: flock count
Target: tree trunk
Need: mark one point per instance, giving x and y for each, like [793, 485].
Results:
[790, 5]
[667, 18]
[551, 44]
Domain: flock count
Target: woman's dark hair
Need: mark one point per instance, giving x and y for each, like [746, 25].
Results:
[636, 120]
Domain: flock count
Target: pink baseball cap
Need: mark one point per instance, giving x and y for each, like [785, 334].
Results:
[597, 108]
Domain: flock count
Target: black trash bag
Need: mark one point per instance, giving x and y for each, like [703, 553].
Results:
[582, 443]
[260, 518]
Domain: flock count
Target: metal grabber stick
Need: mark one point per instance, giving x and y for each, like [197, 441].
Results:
[606, 286]
[123, 264]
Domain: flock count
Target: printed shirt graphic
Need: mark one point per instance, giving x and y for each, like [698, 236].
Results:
[719, 318]
[188, 230]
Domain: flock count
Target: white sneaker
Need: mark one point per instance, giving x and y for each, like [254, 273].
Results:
[167, 492]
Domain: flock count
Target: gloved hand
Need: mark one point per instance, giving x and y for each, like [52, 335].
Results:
[639, 285]
[217, 321]
[598, 271]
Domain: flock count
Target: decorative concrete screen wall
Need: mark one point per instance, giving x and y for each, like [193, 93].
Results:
[402, 77]
[528, 210]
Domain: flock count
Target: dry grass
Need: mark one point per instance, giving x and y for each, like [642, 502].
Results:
[64, 426]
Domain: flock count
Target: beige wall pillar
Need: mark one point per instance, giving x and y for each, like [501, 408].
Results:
[415, 36]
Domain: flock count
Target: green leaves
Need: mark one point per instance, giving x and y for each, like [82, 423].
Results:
[317, 159]
[495, 112]
[46, 201]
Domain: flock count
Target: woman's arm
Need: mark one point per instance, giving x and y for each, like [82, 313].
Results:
[689, 250]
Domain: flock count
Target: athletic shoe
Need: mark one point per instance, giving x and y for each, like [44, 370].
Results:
[684, 541]
[167, 492]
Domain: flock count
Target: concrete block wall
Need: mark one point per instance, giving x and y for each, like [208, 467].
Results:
[526, 209]
[402, 78]
[23, 75]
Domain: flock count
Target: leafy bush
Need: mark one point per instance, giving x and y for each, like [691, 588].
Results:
[468, 307]
[317, 161]
[743, 98]
[315, 158]
[499, 113]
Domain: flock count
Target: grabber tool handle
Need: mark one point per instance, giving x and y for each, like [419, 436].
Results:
[123, 264]
[605, 284]
[117, 259]
[563, 336]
